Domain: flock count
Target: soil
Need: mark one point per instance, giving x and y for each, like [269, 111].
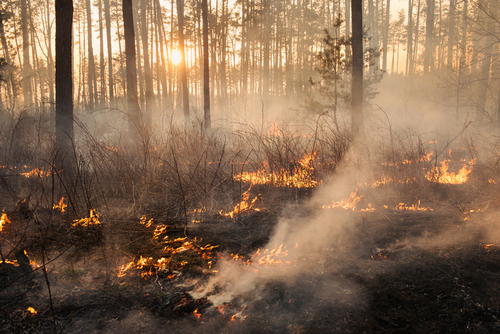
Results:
[395, 272]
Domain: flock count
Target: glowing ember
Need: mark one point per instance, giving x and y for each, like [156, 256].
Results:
[368, 209]
[31, 310]
[487, 246]
[491, 181]
[424, 158]
[301, 175]
[92, 220]
[441, 174]
[3, 220]
[196, 314]
[346, 203]
[60, 206]
[243, 206]
[36, 172]
[413, 207]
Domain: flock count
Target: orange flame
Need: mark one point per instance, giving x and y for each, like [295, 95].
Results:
[3, 220]
[60, 206]
[301, 175]
[243, 206]
[441, 174]
[346, 203]
[92, 220]
[31, 310]
[413, 207]
[36, 172]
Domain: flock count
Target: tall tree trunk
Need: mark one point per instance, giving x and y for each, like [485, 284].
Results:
[463, 50]
[135, 122]
[102, 100]
[484, 76]
[91, 71]
[451, 32]
[386, 34]
[267, 33]
[409, 34]
[140, 86]
[206, 68]
[148, 76]
[107, 15]
[26, 79]
[357, 68]
[182, 64]
[429, 37]
[64, 83]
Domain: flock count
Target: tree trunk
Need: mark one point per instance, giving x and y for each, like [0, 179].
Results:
[451, 32]
[26, 79]
[91, 71]
[107, 15]
[148, 76]
[357, 68]
[267, 33]
[102, 100]
[133, 109]
[182, 64]
[429, 37]
[409, 34]
[386, 34]
[64, 83]
[206, 68]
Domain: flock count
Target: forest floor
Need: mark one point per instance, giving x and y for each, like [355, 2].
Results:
[396, 271]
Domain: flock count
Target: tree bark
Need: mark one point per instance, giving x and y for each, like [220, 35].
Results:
[429, 37]
[26, 79]
[107, 15]
[386, 34]
[64, 82]
[182, 64]
[148, 76]
[132, 100]
[91, 70]
[357, 68]
[206, 67]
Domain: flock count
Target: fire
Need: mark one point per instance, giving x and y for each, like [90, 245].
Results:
[31, 310]
[369, 208]
[243, 206]
[92, 220]
[413, 207]
[441, 174]
[487, 246]
[491, 181]
[346, 203]
[301, 175]
[60, 206]
[36, 172]
[197, 314]
[424, 158]
[3, 220]
[111, 148]
[270, 258]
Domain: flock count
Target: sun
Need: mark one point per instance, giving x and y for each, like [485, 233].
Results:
[176, 56]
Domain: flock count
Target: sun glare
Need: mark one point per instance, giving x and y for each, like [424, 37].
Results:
[176, 56]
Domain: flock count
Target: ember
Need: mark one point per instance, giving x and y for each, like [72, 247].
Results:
[60, 206]
[3, 220]
[91, 220]
[31, 310]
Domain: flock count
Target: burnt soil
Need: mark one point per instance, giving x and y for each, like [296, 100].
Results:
[387, 279]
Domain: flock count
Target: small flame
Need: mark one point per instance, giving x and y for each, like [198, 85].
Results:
[346, 203]
[243, 206]
[36, 172]
[197, 314]
[3, 220]
[92, 220]
[369, 208]
[60, 206]
[31, 310]
[413, 207]
[441, 174]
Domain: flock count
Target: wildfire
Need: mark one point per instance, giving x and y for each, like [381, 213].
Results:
[441, 174]
[3, 220]
[36, 172]
[243, 206]
[424, 158]
[346, 203]
[301, 176]
[369, 208]
[31, 310]
[413, 207]
[60, 206]
[92, 220]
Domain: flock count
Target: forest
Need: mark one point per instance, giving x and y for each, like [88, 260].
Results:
[284, 166]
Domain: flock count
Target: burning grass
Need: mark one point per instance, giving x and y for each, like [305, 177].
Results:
[144, 227]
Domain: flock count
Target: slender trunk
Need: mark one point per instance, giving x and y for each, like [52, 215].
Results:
[206, 68]
[182, 64]
[91, 71]
[386, 35]
[64, 82]
[110, 53]
[148, 77]
[267, 29]
[101, 57]
[357, 68]
[26, 79]
[451, 33]
[132, 100]
[429, 37]
[409, 49]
